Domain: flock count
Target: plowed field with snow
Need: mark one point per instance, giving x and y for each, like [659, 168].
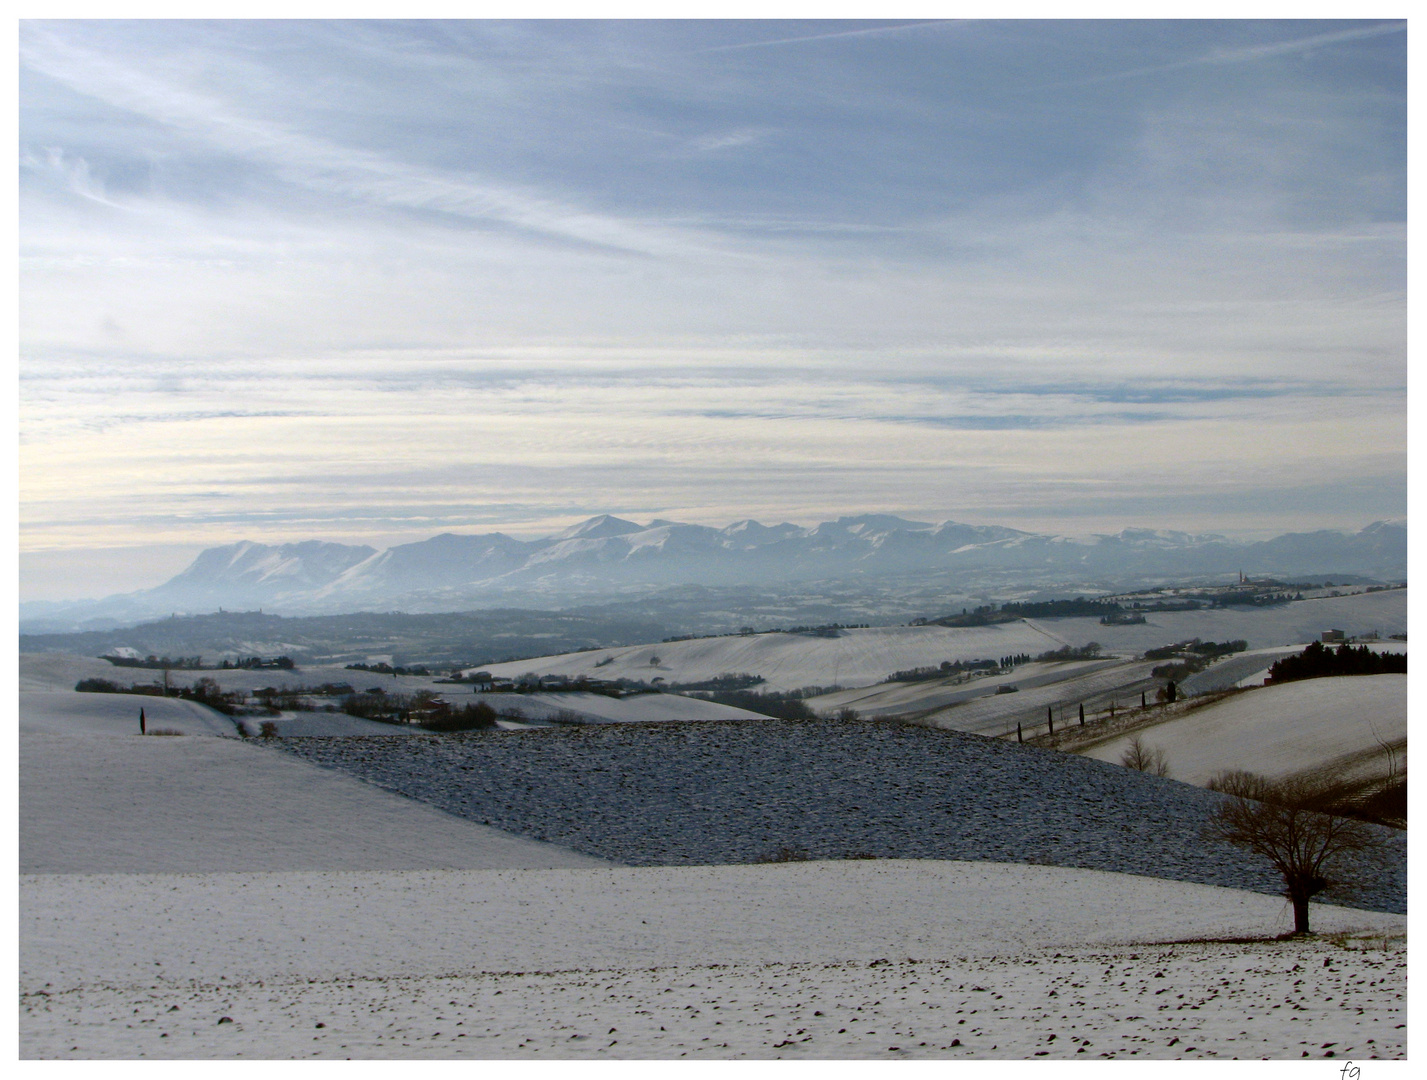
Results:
[732, 792]
[598, 708]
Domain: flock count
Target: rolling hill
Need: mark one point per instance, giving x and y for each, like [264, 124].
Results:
[1352, 728]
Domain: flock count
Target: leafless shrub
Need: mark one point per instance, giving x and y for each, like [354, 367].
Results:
[1244, 785]
[1146, 759]
[163, 731]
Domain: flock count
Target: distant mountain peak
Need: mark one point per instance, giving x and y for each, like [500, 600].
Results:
[1386, 524]
[599, 527]
[1162, 537]
[880, 522]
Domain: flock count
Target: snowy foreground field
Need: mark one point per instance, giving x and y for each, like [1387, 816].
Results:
[820, 960]
[211, 897]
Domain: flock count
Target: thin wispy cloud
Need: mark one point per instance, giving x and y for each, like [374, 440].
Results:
[874, 31]
[716, 142]
[330, 167]
[74, 174]
[1245, 55]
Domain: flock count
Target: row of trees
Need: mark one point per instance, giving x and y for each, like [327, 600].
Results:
[1318, 661]
[205, 691]
[1089, 651]
[425, 707]
[728, 680]
[1207, 650]
[384, 668]
[945, 669]
[784, 706]
[195, 663]
[157, 663]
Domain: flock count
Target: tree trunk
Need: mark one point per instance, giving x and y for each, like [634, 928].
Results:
[1300, 913]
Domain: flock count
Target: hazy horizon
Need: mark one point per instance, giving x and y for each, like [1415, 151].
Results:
[374, 281]
[63, 576]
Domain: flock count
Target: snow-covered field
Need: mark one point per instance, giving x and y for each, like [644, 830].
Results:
[62, 712]
[792, 661]
[1296, 623]
[910, 698]
[996, 715]
[863, 657]
[823, 960]
[1281, 730]
[70, 713]
[215, 898]
[1251, 668]
[60, 671]
[979, 708]
[201, 897]
[1238, 670]
[96, 804]
[47, 695]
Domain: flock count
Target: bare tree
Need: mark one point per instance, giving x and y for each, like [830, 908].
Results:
[1144, 758]
[1281, 821]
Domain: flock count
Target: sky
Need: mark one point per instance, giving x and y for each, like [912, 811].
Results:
[373, 281]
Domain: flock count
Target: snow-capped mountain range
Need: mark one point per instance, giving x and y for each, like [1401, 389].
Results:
[608, 556]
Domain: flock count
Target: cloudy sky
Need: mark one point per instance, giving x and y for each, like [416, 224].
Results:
[373, 281]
